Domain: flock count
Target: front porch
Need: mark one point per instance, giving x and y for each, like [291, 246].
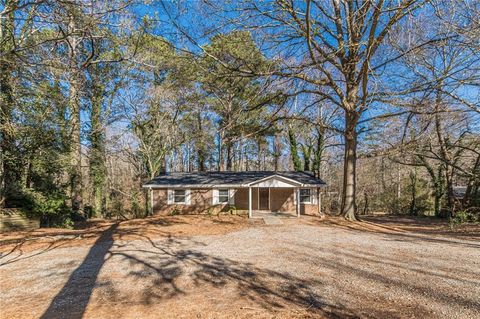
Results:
[276, 196]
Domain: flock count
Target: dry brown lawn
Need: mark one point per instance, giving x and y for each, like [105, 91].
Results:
[229, 267]
[152, 227]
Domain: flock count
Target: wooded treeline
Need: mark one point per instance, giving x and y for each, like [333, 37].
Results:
[381, 99]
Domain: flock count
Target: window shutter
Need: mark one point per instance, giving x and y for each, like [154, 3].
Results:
[169, 196]
[231, 197]
[214, 196]
[187, 197]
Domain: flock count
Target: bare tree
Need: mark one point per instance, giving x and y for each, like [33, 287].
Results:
[340, 52]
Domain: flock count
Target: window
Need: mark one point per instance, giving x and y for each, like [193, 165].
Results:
[305, 195]
[179, 196]
[223, 196]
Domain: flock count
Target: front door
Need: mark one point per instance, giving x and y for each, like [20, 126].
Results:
[263, 199]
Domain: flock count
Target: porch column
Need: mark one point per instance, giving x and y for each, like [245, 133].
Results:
[269, 200]
[319, 201]
[249, 202]
[298, 201]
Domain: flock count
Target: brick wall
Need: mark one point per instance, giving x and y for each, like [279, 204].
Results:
[281, 200]
[200, 203]
[241, 199]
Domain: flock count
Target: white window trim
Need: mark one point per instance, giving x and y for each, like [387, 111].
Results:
[171, 197]
[231, 196]
[313, 196]
[215, 196]
[218, 196]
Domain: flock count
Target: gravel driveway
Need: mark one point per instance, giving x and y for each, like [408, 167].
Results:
[292, 270]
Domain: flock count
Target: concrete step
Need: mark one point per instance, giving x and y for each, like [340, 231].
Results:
[272, 221]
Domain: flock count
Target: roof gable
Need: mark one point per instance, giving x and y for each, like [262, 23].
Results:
[276, 181]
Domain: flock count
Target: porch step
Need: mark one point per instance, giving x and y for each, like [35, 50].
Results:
[272, 220]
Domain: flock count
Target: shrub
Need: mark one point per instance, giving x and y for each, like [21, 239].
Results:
[135, 209]
[464, 216]
[50, 207]
[89, 211]
[210, 211]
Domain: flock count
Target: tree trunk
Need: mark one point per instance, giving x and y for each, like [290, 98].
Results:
[349, 205]
[220, 163]
[29, 172]
[365, 208]
[241, 155]
[97, 163]
[436, 179]
[74, 104]
[437, 203]
[307, 154]
[413, 203]
[201, 152]
[444, 151]
[201, 160]
[7, 170]
[75, 149]
[259, 155]
[317, 156]
[399, 184]
[276, 152]
[297, 164]
[472, 197]
[439, 191]
[449, 186]
[229, 147]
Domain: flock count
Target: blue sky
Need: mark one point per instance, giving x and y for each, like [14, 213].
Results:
[193, 23]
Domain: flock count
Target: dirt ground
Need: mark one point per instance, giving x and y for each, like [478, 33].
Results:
[230, 267]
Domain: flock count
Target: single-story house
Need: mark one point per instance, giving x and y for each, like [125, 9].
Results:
[256, 191]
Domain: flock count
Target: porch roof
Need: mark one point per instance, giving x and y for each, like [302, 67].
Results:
[232, 179]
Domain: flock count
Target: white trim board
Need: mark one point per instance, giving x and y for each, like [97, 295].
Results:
[275, 179]
[210, 186]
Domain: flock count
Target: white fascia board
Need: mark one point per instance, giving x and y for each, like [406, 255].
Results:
[288, 180]
[194, 186]
[297, 184]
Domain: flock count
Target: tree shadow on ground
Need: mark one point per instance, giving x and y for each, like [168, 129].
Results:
[168, 271]
[398, 233]
[16, 249]
[419, 288]
[68, 302]
[20, 255]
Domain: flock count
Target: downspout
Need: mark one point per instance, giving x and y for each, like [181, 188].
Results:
[298, 201]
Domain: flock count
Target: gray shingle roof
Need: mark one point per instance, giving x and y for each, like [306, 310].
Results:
[205, 179]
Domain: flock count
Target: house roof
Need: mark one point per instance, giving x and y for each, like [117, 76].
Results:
[459, 191]
[237, 179]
